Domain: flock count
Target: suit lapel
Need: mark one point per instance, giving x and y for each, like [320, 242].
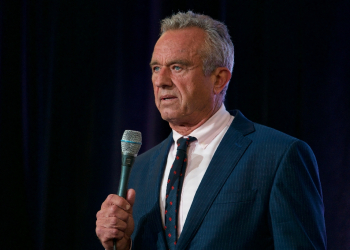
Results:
[225, 159]
[158, 163]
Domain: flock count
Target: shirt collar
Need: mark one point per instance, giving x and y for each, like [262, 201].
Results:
[210, 129]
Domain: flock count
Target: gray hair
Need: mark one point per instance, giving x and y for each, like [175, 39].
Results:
[218, 48]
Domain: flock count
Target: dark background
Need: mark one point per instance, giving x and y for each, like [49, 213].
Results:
[74, 75]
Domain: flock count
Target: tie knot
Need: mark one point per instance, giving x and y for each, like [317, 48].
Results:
[183, 143]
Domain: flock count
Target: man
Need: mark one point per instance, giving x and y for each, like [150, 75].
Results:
[246, 186]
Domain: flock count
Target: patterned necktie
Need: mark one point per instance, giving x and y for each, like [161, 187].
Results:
[173, 190]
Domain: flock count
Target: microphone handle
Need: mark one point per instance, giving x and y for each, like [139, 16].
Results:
[127, 162]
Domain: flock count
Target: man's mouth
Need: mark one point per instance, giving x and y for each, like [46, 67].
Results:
[167, 97]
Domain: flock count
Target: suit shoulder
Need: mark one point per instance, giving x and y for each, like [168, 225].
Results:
[258, 132]
[271, 134]
[271, 137]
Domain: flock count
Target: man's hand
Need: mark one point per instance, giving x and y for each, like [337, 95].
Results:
[115, 221]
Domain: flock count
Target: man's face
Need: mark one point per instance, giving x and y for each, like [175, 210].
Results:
[183, 94]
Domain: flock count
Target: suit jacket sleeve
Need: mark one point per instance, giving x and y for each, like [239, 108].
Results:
[296, 208]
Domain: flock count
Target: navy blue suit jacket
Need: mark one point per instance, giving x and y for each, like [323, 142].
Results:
[260, 191]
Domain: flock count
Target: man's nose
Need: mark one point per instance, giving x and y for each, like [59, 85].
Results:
[162, 78]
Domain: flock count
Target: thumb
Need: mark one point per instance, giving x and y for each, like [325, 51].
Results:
[130, 196]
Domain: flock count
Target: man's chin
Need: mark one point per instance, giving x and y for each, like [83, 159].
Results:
[167, 117]
[170, 117]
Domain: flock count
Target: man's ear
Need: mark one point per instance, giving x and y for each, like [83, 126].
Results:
[222, 77]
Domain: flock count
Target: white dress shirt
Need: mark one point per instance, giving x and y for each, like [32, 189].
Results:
[199, 155]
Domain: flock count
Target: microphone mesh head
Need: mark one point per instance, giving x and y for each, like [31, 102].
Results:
[131, 142]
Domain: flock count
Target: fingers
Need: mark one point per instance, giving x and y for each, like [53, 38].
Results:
[113, 211]
[114, 220]
[130, 196]
[111, 222]
[106, 235]
[114, 199]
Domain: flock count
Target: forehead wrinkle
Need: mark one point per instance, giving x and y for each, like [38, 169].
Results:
[180, 60]
[185, 51]
[183, 62]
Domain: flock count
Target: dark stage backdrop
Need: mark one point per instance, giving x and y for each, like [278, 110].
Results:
[74, 75]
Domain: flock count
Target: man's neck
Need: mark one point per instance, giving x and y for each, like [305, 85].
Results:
[186, 128]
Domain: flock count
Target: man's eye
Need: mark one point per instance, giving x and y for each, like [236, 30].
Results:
[177, 68]
[156, 69]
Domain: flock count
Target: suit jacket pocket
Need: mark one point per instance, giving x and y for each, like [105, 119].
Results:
[227, 196]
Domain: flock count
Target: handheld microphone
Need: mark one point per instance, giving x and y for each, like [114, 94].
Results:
[131, 144]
